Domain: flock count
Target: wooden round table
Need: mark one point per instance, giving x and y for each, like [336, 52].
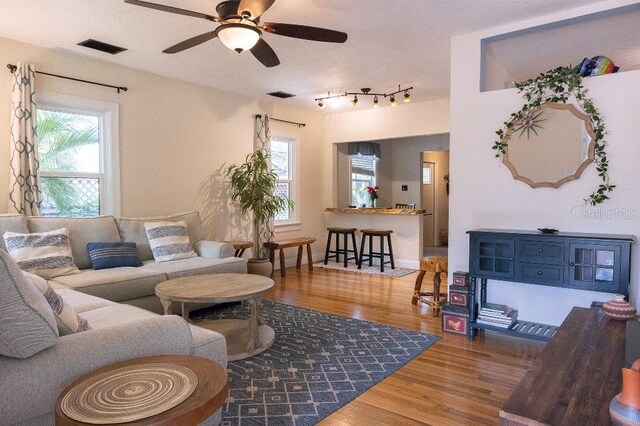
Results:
[209, 395]
[245, 338]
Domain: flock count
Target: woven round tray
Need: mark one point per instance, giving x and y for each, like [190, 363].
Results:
[129, 393]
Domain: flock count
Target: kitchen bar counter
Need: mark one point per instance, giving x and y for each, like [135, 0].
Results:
[376, 210]
[406, 224]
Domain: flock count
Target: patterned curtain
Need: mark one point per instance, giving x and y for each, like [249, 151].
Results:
[262, 142]
[24, 192]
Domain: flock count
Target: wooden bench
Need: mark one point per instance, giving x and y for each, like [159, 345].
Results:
[272, 246]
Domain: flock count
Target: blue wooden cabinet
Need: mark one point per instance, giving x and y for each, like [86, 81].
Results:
[597, 262]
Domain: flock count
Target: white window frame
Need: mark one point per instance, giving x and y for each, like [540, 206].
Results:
[375, 177]
[108, 113]
[294, 178]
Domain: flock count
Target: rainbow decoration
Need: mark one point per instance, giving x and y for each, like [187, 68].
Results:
[598, 65]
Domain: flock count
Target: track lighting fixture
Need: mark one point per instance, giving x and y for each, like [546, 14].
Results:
[367, 92]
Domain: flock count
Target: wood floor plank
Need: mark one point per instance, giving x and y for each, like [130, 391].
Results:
[455, 382]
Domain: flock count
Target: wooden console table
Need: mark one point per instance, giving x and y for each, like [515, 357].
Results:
[574, 378]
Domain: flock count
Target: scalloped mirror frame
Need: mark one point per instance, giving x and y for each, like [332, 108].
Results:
[590, 150]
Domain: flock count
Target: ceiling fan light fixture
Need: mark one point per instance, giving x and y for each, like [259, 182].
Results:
[238, 37]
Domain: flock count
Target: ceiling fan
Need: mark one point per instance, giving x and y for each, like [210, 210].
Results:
[240, 28]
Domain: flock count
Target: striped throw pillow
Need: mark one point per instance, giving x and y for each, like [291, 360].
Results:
[46, 254]
[169, 240]
[68, 321]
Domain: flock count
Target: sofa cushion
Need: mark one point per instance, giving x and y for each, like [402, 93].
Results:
[114, 284]
[116, 315]
[113, 255]
[82, 302]
[197, 266]
[27, 323]
[132, 230]
[12, 222]
[68, 321]
[82, 230]
[47, 254]
[169, 240]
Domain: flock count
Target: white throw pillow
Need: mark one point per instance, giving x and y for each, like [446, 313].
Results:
[68, 321]
[47, 254]
[169, 240]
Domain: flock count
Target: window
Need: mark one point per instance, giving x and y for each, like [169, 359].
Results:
[363, 174]
[284, 162]
[426, 175]
[78, 154]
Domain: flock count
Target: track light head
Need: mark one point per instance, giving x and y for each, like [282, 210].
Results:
[320, 103]
[355, 100]
[375, 102]
[393, 100]
[407, 96]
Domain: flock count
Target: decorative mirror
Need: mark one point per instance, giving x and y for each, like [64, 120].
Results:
[550, 145]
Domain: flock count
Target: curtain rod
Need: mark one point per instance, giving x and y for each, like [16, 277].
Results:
[13, 68]
[284, 121]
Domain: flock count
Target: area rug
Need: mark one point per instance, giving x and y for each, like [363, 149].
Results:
[371, 270]
[318, 363]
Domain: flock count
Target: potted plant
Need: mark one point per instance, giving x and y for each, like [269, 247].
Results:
[252, 186]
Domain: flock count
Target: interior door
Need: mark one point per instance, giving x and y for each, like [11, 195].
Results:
[429, 202]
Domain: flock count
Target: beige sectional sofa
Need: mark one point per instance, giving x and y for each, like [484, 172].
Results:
[29, 387]
[133, 286]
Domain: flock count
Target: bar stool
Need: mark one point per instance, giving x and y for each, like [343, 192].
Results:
[437, 265]
[345, 232]
[370, 233]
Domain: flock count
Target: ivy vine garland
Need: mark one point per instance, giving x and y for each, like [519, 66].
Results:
[557, 86]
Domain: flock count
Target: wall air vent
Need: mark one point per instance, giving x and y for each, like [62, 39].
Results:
[281, 95]
[102, 46]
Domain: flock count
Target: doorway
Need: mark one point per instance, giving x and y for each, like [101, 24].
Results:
[435, 202]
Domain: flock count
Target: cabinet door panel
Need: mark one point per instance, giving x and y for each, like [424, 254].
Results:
[494, 257]
[595, 267]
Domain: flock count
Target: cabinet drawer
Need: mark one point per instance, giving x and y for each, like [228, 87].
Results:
[541, 273]
[541, 252]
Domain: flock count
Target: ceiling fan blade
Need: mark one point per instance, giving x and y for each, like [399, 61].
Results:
[254, 7]
[192, 42]
[305, 32]
[265, 54]
[171, 9]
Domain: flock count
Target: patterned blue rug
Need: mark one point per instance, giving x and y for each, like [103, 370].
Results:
[318, 363]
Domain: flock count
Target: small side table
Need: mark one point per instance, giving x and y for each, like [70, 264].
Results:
[206, 399]
[240, 246]
[437, 265]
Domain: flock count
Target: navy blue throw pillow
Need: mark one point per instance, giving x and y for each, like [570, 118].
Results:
[113, 255]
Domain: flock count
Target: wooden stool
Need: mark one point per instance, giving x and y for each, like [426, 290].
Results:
[240, 246]
[272, 246]
[437, 265]
[370, 233]
[345, 232]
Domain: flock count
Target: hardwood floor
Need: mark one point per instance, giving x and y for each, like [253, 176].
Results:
[455, 382]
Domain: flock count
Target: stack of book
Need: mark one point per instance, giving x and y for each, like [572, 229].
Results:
[497, 315]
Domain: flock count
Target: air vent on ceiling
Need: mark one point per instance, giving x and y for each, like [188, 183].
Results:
[102, 46]
[281, 95]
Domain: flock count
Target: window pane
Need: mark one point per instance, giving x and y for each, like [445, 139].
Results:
[283, 189]
[426, 176]
[363, 174]
[280, 158]
[68, 142]
[70, 196]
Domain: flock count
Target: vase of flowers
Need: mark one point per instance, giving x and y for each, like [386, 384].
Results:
[373, 195]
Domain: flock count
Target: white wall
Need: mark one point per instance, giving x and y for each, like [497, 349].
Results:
[483, 193]
[175, 139]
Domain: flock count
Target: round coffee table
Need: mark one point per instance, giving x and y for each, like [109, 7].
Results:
[209, 394]
[245, 338]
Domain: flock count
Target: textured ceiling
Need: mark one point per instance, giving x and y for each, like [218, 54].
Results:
[390, 42]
